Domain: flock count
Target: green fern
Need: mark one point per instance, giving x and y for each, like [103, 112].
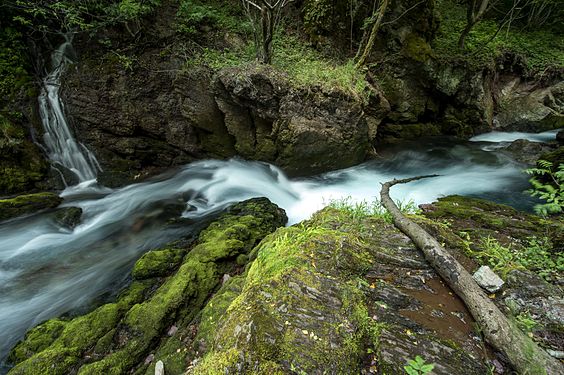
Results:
[552, 192]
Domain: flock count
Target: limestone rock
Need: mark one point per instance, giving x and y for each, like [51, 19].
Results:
[487, 279]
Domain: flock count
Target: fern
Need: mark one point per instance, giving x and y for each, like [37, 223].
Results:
[552, 192]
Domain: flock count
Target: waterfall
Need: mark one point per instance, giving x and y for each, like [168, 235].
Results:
[62, 147]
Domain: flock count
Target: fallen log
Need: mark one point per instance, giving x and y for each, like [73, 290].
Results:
[500, 332]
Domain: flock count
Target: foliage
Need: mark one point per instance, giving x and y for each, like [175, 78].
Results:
[525, 322]
[308, 67]
[536, 256]
[418, 366]
[304, 65]
[49, 16]
[552, 191]
[192, 15]
[359, 210]
[13, 65]
[540, 48]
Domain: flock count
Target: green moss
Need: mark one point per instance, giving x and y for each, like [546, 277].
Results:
[271, 314]
[37, 340]
[417, 48]
[55, 361]
[157, 263]
[122, 332]
[27, 204]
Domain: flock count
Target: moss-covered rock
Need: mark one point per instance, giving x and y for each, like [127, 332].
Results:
[157, 263]
[309, 304]
[27, 204]
[114, 338]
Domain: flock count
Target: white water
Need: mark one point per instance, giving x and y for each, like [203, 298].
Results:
[47, 270]
[61, 145]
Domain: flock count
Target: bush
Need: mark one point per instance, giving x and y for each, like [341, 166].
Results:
[550, 189]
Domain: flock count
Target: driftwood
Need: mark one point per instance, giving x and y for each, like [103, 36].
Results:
[525, 356]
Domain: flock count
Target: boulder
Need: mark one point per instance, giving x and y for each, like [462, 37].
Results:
[487, 279]
[524, 106]
[27, 204]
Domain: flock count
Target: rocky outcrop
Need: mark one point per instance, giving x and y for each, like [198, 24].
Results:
[142, 119]
[169, 287]
[27, 204]
[344, 292]
[527, 106]
[298, 129]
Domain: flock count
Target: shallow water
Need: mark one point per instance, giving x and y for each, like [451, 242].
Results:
[47, 270]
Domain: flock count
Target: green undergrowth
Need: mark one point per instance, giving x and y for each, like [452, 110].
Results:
[308, 67]
[540, 49]
[303, 65]
[357, 211]
[535, 255]
[194, 16]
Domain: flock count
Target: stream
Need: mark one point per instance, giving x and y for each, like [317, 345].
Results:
[47, 270]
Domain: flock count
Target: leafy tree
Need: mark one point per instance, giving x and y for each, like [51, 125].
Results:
[265, 17]
[552, 192]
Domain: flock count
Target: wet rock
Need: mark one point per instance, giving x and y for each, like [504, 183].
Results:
[560, 137]
[528, 152]
[526, 107]
[123, 332]
[69, 217]
[487, 279]
[27, 204]
[304, 302]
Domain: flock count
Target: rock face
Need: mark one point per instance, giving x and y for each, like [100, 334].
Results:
[300, 130]
[155, 120]
[525, 107]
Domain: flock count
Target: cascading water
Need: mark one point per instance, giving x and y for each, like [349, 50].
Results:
[61, 145]
[47, 270]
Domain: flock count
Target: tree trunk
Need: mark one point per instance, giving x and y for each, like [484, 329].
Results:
[525, 356]
[464, 34]
[373, 33]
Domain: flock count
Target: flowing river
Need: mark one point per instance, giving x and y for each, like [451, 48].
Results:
[47, 270]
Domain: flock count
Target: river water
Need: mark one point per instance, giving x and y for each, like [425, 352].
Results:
[47, 270]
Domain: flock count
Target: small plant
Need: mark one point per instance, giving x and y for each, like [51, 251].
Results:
[418, 366]
[359, 210]
[525, 322]
[535, 255]
[552, 192]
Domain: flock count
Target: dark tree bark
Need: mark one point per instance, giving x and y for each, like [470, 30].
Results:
[264, 16]
[525, 356]
[474, 12]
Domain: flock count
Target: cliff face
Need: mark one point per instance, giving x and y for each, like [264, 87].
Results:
[160, 118]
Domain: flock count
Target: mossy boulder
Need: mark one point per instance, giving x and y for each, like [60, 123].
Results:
[27, 204]
[114, 338]
[326, 296]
